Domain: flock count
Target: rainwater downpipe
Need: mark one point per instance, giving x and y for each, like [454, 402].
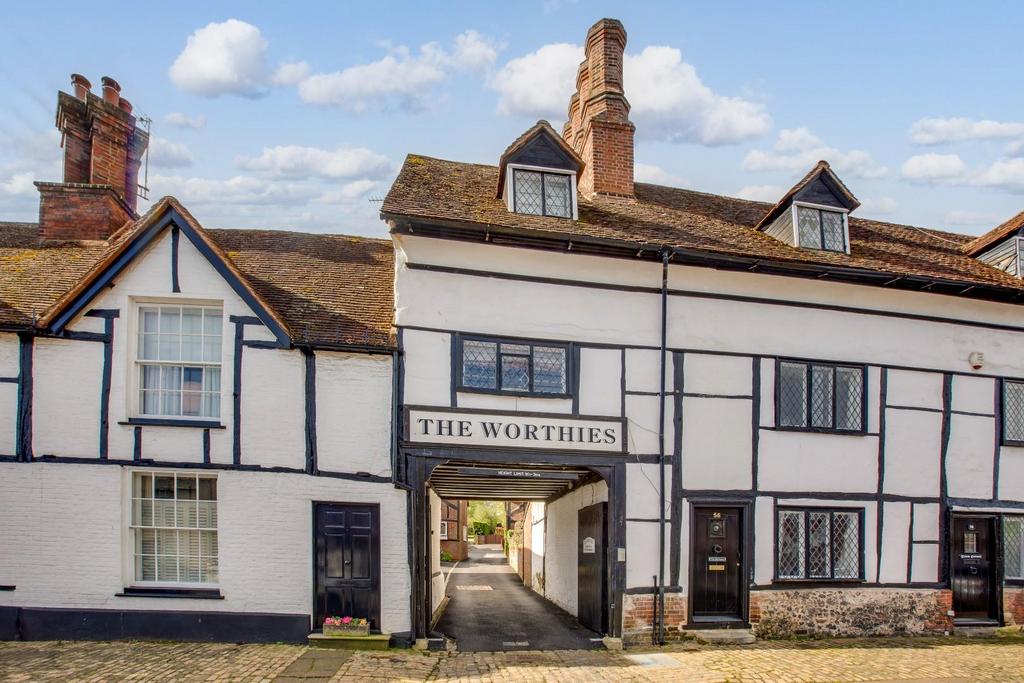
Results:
[661, 448]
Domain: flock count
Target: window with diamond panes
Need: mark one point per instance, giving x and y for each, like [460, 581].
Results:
[514, 367]
[820, 397]
[820, 229]
[1013, 412]
[1013, 547]
[818, 544]
[174, 528]
[542, 194]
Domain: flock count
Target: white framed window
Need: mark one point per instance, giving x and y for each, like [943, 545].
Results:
[444, 531]
[178, 360]
[173, 528]
[540, 191]
[820, 227]
[1013, 547]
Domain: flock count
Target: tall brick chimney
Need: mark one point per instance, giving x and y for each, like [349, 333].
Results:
[103, 150]
[598, 125]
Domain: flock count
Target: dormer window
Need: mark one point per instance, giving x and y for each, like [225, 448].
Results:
[542, 194]
[813, 214]
[1002, 247]
[820, 228]
[537, 174]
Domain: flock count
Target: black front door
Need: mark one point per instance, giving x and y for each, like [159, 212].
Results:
[347, 541]
[592, 591]
[973, 567]
[717, 564]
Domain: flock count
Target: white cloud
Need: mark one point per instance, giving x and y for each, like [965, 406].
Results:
[936, 131]
[761, 193]
[797, 150]
[878, 207]
[540, 83]
[179, 120]
[290, 73]
[293, 161]
[651, 173]
[166, 154]
[972, 219]
[668, 99]
[239, 190]
[349, 192]
[1004, 174]
[222, 58]
[934, 168]
[1015, 149]
[19, 185]
[474, 51]
[670, 102]
[401, 78]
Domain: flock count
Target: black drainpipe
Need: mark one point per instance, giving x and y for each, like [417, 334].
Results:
[661, 448]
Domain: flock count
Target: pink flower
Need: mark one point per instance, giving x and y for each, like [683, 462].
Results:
[346, 620]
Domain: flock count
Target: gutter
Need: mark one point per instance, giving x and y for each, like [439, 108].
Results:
[665, 255]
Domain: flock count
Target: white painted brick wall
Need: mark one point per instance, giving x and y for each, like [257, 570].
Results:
[64, 540]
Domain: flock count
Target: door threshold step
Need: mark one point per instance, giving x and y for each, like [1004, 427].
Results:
[374, 641]
[722, 636]
[977, 631]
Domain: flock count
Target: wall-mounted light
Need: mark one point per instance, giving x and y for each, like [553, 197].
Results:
[977, 360]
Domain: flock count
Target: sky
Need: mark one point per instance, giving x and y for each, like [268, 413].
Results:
[299, 115]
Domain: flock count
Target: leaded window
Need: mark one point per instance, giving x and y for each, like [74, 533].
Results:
[179, 361]
[515, 367]
[820, 229]
[1013, 412]
[1013, 547]
[174, 528]
[820, 396]
[542, 194]
[818, 544]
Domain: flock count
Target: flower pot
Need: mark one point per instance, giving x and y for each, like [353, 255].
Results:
[346, 631]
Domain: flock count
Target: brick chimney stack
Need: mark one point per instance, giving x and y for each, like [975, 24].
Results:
[103, 151]
[598, 125]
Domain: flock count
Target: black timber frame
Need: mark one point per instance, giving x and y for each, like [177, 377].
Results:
[419, 463]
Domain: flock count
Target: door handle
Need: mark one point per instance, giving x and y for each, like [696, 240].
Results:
[348, 561]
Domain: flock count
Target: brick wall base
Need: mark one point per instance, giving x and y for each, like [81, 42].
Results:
[638, 618]
[1013, 605]
[832, 612]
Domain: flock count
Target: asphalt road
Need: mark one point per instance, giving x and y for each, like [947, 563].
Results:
[490, 610]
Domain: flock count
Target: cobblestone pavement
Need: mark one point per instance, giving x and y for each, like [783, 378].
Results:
[947, 660]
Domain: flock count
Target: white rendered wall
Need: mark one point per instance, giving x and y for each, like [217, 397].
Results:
[561, 561]
[535, 527]
[67, 376]
[9, 351]
[436, 576]
[65, 538]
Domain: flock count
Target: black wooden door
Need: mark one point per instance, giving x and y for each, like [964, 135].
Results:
[592, 589]
[717, 563]
[347, 540]
[973, 567]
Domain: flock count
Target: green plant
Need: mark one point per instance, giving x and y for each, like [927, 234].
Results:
[446, 556]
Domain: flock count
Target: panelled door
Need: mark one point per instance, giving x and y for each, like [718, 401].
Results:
[347, 542]
[973, 568]
[592, 589]
[717, 564]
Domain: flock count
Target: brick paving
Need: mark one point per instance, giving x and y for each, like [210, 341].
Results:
[945, 660]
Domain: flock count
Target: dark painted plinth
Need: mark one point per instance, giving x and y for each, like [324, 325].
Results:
[35, 623]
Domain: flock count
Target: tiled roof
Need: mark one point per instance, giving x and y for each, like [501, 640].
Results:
[461, 194]
[819, 168]
[329, 290]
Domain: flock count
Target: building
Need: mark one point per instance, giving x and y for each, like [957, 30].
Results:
[721, 413]
[195, 425]
[724, 412]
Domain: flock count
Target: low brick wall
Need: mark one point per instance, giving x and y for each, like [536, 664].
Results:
[638, 618]
[1013, 605]
[833, 612]
[459, 550]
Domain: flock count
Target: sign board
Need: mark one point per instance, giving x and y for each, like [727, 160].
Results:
[535, 431]
[588, 545]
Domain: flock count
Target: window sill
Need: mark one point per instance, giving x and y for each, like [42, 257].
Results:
[196, 593]
[823, 430]
[169, 422]
[816, 583]
[1014, 581]
[7, 588]
[515, 394]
